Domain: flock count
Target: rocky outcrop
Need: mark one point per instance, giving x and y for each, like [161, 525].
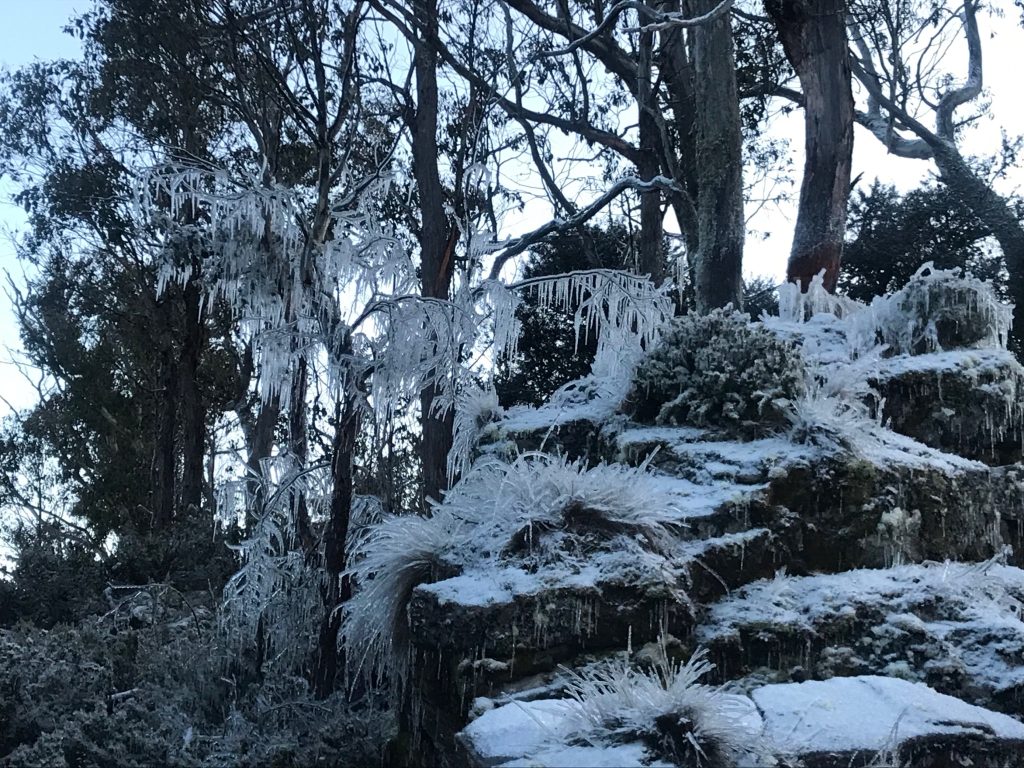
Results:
[970, 403]
[954, 626]
[855, 580]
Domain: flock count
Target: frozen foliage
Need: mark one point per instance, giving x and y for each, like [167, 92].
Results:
[106, 693]
[682, 720]
[547, 512]
[389, 561]
[273, 598]
[507, 503]
[940, 308]
[592, 398]
[796, 306]
[718, 370]
[606, 301]
[475, 408]
[850, 348]
[830, 420]
[349, 306]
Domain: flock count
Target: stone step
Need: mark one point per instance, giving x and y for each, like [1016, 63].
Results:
[954, 626]
[967, 402]
[860, 721]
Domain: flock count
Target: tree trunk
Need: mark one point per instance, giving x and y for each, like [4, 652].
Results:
[995, 213]
[337, 588]
[718, 266]
[164, 465]
[813, 34]
[193, 410]
[651, 261]
[437, 237]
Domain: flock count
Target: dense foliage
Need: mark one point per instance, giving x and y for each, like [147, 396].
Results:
[718, 370]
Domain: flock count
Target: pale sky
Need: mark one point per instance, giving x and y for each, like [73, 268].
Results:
[32, 30]
[29, 30]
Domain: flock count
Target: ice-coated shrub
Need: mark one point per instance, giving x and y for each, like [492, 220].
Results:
[683, 721]
[171, 692]
[718, 370]
[942, 309]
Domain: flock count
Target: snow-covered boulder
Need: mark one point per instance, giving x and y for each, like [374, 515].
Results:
[874, 720]
[955, 626]
[970, 403]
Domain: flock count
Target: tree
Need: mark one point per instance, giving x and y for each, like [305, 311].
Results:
[896, 59]
[141, 403]
[659, 57]
[549, 354]
[813, 34]
[893, 235]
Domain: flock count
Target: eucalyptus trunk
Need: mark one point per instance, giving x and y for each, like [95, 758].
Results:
[718, 263]
[438, 237]
[813, 34]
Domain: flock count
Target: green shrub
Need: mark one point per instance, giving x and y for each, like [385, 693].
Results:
[718, 370]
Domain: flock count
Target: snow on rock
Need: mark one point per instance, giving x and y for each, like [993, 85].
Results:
[968, 402]
[538, 734]
[517, 729]
[615, 756]
[547, 734]
[871, 714]
[956, 626]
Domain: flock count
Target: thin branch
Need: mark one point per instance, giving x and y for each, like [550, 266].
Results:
[520, 244]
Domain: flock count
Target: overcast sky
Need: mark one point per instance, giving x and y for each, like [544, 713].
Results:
[32, 30]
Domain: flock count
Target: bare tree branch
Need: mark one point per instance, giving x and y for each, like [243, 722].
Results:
[522, 243]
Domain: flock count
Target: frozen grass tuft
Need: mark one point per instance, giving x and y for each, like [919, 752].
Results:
[830, 421]
[496, 511]
[502, 500]
[386, 565]
[683, 720]
[475, 407]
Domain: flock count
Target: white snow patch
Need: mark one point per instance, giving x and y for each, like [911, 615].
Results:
[868, 713]
[481, 587]
[617, 756]
[519, 729]
[960, 361]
